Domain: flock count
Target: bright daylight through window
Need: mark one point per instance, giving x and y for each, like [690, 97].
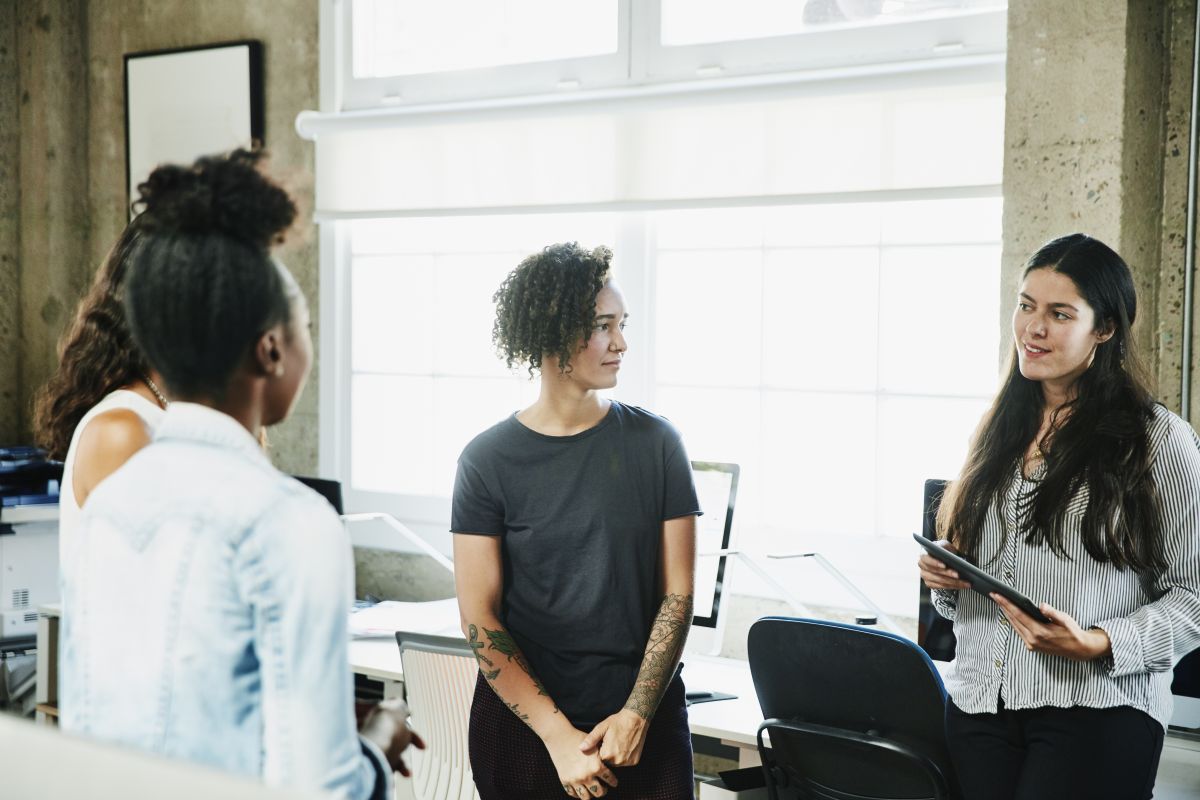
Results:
[812, 264]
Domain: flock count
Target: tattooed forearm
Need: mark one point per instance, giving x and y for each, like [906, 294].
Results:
[667, 635]
[502, 642]
[489, 669]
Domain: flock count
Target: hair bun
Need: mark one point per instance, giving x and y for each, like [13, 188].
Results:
[217, 194]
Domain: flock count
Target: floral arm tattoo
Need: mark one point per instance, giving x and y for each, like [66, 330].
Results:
[667, 636]
[501, 641]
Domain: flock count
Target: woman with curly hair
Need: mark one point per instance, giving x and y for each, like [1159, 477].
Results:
[103, 402]
[574, 548]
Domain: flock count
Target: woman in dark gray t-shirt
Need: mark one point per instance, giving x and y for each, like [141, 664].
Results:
[574, 547]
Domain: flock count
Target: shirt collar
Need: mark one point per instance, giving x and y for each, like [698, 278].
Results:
[198, 423]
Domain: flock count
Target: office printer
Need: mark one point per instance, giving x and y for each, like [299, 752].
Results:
[29, 486]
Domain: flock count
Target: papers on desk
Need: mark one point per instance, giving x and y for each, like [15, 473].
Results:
[382, 620]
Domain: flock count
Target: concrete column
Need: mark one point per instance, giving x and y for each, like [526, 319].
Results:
[1097, 107]
[53, 172]
[1179, 36]
[10, 230]
[288, 30]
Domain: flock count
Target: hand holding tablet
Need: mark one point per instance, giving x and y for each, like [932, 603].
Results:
[980, 581]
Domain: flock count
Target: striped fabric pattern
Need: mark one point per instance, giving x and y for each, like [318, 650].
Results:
[1152, 620]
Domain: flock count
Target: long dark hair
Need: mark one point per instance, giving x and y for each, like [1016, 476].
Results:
[95, 356]
[1098, 439]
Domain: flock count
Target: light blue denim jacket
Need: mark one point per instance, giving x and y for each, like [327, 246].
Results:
[205, 614]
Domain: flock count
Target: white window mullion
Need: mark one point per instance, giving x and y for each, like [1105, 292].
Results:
[635, 277]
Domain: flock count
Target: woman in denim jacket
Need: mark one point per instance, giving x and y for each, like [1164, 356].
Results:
[204, 615]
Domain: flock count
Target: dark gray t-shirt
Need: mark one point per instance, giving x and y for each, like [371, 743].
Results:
[580, 520]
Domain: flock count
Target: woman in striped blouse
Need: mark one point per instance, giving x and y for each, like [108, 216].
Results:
[1083, 493]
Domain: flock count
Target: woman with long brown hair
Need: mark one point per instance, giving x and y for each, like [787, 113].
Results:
[103, 402]
[1082, 492]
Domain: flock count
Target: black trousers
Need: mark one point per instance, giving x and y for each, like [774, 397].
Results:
[1059, 753]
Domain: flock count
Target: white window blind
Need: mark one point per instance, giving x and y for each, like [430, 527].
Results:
[778, 144]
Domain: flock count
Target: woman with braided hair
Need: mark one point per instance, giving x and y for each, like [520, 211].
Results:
[237, 578]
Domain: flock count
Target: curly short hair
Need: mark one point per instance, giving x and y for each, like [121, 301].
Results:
[547, 305]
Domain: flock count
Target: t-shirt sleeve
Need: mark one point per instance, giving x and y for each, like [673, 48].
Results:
[473, 508]
[679, 498]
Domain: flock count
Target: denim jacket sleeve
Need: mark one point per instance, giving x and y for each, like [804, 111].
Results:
[295, 570]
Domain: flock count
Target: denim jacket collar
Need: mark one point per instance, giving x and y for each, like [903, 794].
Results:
[199, 423]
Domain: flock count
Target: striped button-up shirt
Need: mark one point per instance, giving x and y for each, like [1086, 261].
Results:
[1153, 620]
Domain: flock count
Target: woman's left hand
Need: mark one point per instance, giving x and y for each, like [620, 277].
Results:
[1061, 637]
[620, 738]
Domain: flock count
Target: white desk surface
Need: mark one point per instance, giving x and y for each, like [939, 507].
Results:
[376, 658]
[732, 721]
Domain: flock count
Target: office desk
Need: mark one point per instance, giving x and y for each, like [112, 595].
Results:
[47, 663]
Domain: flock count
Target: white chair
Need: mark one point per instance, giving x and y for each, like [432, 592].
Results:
[439, 682]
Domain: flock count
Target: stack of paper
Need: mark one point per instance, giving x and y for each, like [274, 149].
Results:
[437, 617]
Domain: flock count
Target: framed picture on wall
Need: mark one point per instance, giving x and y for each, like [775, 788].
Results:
[185, 103]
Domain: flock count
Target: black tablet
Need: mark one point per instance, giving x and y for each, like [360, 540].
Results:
[980, 581]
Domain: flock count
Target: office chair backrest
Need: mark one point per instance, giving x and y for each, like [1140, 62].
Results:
[867, 708]
[935, 633]
[439, 682]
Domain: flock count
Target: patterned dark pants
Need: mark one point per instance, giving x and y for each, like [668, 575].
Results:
[511, 763]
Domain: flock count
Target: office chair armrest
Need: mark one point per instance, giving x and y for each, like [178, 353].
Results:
[927, 765]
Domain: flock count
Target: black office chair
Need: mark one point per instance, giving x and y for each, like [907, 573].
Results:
[935, 633]
[852, 713]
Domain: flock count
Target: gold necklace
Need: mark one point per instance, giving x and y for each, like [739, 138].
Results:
[162, 400]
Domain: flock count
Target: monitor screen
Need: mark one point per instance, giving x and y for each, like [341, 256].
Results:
[330, 490]
[716, 486]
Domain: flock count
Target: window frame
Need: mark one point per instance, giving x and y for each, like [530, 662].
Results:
[642, 59]
[538, 77]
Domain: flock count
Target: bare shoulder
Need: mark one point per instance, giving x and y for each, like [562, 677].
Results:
[117, 431]
[109, 440]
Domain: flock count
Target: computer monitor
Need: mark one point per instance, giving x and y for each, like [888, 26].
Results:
[716, 486]
[935, 634]
[330, 490]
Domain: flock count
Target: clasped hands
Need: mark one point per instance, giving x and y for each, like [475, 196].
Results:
[616, 742]
[1062, 636]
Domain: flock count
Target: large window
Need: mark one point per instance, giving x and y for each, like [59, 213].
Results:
[811, 259]
[840, 353]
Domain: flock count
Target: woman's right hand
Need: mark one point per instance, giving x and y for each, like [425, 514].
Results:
[386, 725]
[936, 574]
[582, 775]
